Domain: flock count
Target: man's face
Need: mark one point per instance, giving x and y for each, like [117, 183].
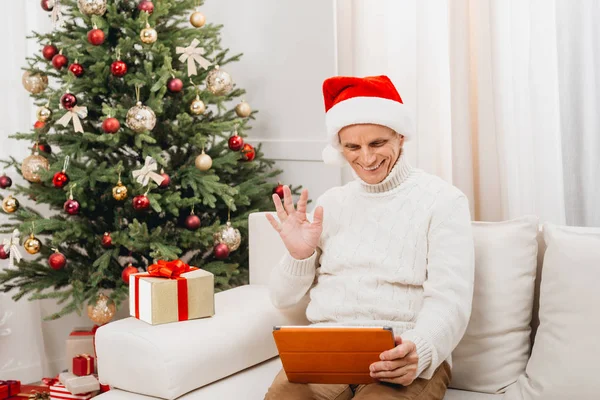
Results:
[371, 150]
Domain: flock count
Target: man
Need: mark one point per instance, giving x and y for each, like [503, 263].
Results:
[393, 248]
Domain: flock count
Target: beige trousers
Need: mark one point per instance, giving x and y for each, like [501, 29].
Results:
[420, 389]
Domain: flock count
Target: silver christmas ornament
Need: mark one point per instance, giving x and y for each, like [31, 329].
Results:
[140, 118]
[229, 236]
[92, 7]
[219, 82]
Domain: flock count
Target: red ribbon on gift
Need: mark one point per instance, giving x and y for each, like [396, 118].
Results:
[169, 270]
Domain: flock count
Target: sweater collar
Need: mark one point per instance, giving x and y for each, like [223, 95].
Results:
[395, 178]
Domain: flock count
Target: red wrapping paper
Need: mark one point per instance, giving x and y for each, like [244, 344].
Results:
[83, 364]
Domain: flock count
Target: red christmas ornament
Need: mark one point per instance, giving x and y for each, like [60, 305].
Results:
[96, 37]
[39, 125]
[5, 182]
[278, 190]
[221, 251]
[106, 240]
[68, 101]
[166, 180]
[59, 61]
[248, 152]
[71, 207]
[192, 222]
[60, 179]
[57, 260]
[49, 51]
[118, 68]
[141, 202]
[76, 69]
[111, 125]
[146, 6]
[47, 5]
[236, 143]
[175, 85]
[4, 254]
[43, 147]
[127, 271]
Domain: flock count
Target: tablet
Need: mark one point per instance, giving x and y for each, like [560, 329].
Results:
[332, 354]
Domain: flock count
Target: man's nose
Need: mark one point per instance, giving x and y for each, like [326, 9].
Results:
[368, 157]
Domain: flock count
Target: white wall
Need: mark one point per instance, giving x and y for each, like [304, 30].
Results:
[289, 49]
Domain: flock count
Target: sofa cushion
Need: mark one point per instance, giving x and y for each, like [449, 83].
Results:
[169, 360]
[564, 359]
[496, 345]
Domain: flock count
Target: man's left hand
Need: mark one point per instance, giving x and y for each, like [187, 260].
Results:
[398, 365]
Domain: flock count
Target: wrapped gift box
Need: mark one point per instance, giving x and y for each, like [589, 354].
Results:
[3, 391]
[58, 391]
[80, 341]
[79, 384]
[12, 387]
[83, 364]
[33, 392]
[171, 291]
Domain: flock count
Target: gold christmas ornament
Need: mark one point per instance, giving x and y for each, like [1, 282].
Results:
[103, 309]
[43, 114]
[230, 236]
[197, 19]
[31, 165]
[140, 118]
[34, 83]
[243, 110]
[197, 106]
[203, 162]
[219, 82]
[148, 35]
[92, 7]
[10, 204]
[120, 191]
[32, 245]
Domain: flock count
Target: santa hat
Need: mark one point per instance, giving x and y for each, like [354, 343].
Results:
[369, 100]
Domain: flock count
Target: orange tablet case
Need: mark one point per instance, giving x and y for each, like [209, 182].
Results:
[331, 354]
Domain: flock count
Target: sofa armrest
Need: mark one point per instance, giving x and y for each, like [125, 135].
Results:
[169, 360]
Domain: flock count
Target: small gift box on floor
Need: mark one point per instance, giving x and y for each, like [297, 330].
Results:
[79, 384]
[9, 388]
[171, 291]
[32, 392]
[80, 341]
[58, 391]
[83, 364]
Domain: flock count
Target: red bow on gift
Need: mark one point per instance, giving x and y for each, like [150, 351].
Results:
[169, 269]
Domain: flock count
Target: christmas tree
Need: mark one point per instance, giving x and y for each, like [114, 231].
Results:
[138, 149]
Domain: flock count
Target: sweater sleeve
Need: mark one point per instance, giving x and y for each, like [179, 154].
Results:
[448, 288]
[291, 279]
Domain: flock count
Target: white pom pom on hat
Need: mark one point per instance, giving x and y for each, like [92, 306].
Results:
[368, 100]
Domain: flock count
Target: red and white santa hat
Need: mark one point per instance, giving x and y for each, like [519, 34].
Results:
[368, 100]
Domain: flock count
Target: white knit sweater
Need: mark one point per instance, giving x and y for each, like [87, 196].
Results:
[398, 253]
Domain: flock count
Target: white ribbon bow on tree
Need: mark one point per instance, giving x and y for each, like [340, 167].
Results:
[193, 55]
[75, 113]
[10, 246]
[57, 17]
[144, 174]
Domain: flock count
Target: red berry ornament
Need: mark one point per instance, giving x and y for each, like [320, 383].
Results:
[236, 143]
[59, 61]
[221, 251]
[248, 152]
[57, 260]
[146, 6]
[68, 101]
[127, 271]
[278, 190]
[44, 148]
[76, 69]
[192, 222]
[4, 254]
[96, 37]
[47, 5]
[106, 240]
[118, 68]
[39, 125]
[175, 85]
[71, 207]
[5, 182]
[166, 180]
[49, 51]
[60, 179]
[141, 203]
[111, 125]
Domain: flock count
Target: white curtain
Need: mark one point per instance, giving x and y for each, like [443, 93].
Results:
[503, 106]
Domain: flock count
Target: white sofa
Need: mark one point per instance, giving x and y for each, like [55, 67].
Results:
[229, 356]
